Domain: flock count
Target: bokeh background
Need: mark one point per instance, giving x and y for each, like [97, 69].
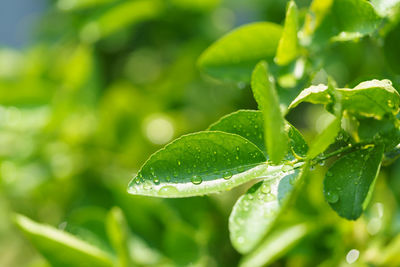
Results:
[90, 88]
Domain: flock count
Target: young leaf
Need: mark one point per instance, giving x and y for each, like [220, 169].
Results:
[275, 246]
[350, 180]
[198, 164]
[315, 94]
[324, 139]
[274, 124]
[233, 57]
[246, 123]
[288, 47]
[371, 99]
[344, 20]
[60, 248]
[256, 211]
[131, 249]
[250, 125]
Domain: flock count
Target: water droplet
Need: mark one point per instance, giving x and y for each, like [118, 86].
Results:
[237, 157]
[322, 163]
[167, 178]
[178, 162]
[270, 197]
[196, 180]
[260, 196]
[137, 180]
[265, 188]
[332, 197]
[227, 175]
[168, 190]
[156, 180]
[250, 196]
[390, 103]
[352, 256]
[147, 185]
[240, 240]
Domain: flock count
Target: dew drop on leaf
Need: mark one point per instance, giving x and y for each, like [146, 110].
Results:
[178, 162]
[167, 190]
[227, 175]
[332, 197]
[156, 180]
[196, 179]
[147, 185]
[265, 189]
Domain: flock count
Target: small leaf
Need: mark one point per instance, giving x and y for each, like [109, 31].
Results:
[198, 164]
[131, 249]
[351, 179]
[371, 99]
[315, 94]
[274, 124]
[250, 125]
[324, 139]
[233, 57]
[275, 246]
[256, 211]
[351, 19]
[288, 48]
[61, 248]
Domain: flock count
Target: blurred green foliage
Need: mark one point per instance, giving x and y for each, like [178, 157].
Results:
[107, 82]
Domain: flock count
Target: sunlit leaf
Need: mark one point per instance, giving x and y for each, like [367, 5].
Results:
[288, 48]
[198, 164]
[61, 248]
[371, 99]
[315, 94]
[256, 211]
[350, 180]
[274, 124]
[233, 57]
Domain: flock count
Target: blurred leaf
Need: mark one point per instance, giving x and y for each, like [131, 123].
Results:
[275, 246]
[131, 249]
[315, 94]
[276, 138]
[391, 48]
[256, 211]
[61, 248]
[120, 16]
[324, 139]
[350, 180]
[68, 5]
[198, 164]
[288, 48]
[201, 5]
[250, 125]
[371, 99]
[385, 7]
[233, 57]
[351, 18]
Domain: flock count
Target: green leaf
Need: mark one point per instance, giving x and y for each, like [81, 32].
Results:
[198, 164]
[391, 48]
[325, 138]
[274, 124]
[131, 249]
[256, 211]
[386, 7]
[348, 19]
[120, 16]
[315, 94]
[288, 47]
[246, 123]
[379, 132]
[350, 180]
[233, 57]
[60, 248]
[250, 125]
[275, 246]
[371, 99]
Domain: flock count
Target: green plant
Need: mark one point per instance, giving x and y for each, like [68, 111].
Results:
[261, 146]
